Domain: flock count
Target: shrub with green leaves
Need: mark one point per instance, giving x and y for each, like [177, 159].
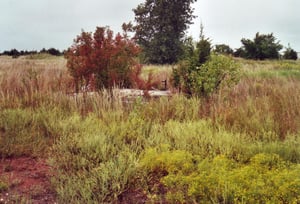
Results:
[204, 79]
[290, 53]
[219, 71]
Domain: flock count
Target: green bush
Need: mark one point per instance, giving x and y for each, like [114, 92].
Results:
[202, 80]
[290, 53]
[219, 71]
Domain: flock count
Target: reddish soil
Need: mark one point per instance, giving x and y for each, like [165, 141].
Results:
[28, 180]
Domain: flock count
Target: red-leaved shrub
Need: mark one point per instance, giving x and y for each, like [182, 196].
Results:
[101, 60]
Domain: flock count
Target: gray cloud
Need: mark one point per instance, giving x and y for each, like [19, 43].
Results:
[228, 21]
[34, 24]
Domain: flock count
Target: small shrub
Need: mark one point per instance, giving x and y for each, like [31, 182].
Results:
[291, 54]
[202, 80]
[219, 71]
[101, 60]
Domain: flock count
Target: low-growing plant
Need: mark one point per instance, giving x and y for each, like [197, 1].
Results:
[97, 160]
[223, 180]
[3, 186]
[26, 132]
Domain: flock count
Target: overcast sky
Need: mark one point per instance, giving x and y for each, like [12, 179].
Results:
[35, 24]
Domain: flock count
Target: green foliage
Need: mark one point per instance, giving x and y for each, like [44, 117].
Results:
[223, 49]
[188, 47]
[223, 180]
[272, 69]
[201, 73]
[219, 71]
[177, 108]
[166, 160]
[289, 53]
[97, 160]
[160, 29]
[203, 48]
[26, 133]
[263, 46]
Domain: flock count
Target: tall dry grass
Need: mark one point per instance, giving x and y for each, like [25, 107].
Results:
[265, 107]
[25, 82]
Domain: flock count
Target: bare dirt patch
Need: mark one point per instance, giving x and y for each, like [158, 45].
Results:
[28, 180]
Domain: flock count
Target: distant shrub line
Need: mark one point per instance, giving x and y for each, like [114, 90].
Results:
[17, 53]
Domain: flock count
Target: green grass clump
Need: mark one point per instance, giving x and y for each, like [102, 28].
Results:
[272, 69]
[95, 161]
[26, 132]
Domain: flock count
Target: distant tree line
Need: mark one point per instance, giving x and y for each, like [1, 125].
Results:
[263, 46]
[16, 53]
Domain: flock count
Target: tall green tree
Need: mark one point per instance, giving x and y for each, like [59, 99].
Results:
[263, 46]
[160, 28]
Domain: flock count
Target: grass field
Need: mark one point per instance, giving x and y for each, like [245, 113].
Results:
[238, 146]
